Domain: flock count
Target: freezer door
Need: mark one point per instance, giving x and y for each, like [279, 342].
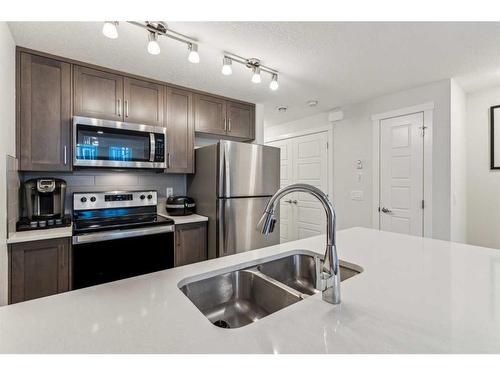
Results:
[248, 170]
[237, 225]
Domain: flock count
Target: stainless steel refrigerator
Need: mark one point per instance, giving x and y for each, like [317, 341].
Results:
[232, 184]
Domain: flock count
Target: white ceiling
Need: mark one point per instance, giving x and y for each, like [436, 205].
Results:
[334, 62]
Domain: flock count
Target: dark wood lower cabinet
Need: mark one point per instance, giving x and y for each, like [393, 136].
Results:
[190, 243]
[38, 269]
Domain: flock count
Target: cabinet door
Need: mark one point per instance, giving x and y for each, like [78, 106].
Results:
[210, 115]
[190, 243]
[38, 269]
[180, 131]
[240, 120]
[143, 102]
[44, 114]
[97, 94]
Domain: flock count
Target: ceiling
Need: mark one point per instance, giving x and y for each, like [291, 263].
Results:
[334, 62]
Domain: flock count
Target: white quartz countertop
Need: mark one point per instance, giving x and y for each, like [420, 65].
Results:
[414, 295]
[39, 234]
[194, 218]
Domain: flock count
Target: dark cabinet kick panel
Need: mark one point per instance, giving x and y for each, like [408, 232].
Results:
[38, 269]
[190, 243]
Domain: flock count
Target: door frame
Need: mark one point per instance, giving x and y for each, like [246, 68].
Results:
[427, 109]
[329, 157]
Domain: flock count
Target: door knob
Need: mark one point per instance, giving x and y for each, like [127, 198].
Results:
[386, 210]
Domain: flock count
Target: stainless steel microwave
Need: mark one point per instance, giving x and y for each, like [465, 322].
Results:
[113, 144]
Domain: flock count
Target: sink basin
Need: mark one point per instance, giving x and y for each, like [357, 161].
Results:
[298, 271]
[238, 298]
[235, 299]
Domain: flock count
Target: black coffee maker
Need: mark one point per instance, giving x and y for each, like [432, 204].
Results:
[44, 200]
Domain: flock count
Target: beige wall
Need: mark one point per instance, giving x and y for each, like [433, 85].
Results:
[7, 140]
[353, 140]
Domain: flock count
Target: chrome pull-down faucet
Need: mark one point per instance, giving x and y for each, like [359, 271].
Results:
[328, 280]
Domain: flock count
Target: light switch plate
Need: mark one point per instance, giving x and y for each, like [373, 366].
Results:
[357, 195]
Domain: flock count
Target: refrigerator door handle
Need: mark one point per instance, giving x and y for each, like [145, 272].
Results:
[222, 230]
[224, 173]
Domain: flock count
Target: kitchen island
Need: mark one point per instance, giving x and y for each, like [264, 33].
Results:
[414, 295]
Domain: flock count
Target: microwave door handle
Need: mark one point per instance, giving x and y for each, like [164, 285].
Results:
[152, 147]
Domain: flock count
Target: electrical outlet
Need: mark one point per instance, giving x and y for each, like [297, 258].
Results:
[170, 192]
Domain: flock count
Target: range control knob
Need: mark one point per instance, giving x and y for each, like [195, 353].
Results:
[150, 196]
[83, 199]
[92, 199]
[142, 197]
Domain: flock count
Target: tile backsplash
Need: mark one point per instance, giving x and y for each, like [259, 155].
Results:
[92, 180]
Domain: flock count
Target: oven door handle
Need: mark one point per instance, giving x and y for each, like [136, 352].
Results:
[120, 233]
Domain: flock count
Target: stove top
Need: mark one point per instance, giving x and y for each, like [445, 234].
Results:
[102, 211]
[119, 222]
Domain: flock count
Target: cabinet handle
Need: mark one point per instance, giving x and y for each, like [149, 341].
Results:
[225, 124]
[126, 108]
[119, 108]
[65, 155]
[168, 160]
[229, 125]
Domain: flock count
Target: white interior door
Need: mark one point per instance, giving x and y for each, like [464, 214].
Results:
[287, 232]
[310, 166]
[401, 174]
[303, 160]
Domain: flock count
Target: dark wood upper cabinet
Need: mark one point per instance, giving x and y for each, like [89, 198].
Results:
[210, 114]
[180, 131]
[216, 116]
[190, 243]
[38, 269]
[44, 113]
[240, 120]
[97, 94]
[143, 102]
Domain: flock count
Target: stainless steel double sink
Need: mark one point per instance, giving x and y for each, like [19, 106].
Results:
[237, 298]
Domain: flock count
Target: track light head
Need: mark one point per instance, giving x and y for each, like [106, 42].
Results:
[110, 29]
[227, 69]
[193, 56]
[273, 85]
[256, 75]
[153, 46]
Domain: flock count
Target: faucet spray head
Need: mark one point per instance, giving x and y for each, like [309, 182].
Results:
[267, 222]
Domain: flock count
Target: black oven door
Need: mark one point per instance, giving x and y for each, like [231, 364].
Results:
[104, 260]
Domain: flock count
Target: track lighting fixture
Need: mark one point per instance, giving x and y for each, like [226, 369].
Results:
[227, 69]
[110, 29]
[253, 64]
[153, 46]
[155, 29]
[193, 56]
